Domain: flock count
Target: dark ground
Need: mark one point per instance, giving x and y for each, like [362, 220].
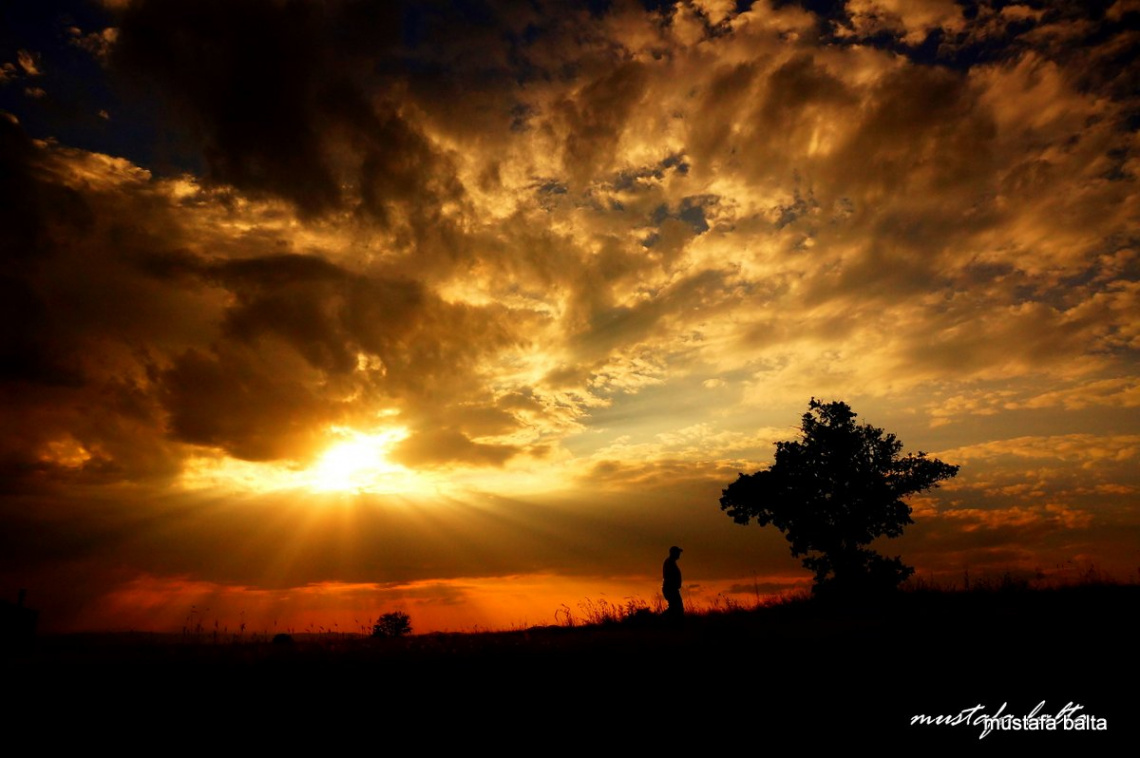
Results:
[800, 676]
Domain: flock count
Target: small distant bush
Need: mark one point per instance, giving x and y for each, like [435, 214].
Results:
[394, 624]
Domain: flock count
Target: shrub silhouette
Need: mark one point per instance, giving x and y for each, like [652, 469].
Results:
[395, 624]
[834, 491]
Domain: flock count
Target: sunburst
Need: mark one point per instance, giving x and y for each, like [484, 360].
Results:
[359, 462]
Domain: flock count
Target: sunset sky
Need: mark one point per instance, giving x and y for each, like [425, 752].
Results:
[315, 310]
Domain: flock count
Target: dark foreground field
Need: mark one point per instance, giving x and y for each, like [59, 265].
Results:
[797, 676]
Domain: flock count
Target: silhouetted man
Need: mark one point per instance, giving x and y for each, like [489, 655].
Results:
[671, 584]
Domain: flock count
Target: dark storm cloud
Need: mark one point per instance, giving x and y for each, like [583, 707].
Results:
[293, 297]
[248, 407]
[25, 203]
[289, 99]
[73, 410]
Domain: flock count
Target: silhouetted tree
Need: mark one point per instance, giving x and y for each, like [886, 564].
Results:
[835, 491]
[394, 624]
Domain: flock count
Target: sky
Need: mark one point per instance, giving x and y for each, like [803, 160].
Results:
[317, 310]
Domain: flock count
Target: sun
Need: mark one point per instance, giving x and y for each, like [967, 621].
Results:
[359, 463]
[353, 462]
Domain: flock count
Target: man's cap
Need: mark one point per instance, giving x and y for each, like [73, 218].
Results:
[675, 549]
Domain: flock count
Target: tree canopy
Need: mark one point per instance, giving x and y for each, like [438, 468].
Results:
[833, 492]
[394, 624]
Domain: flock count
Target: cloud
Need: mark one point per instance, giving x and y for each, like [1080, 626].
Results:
[272, 99]
[98, 44]
[878, 225]
[593, 120]
[243, 406]
[445, 446]
[912, 21]
[1074, 447]
[28, 62]
[1055, 518]
[227, 342]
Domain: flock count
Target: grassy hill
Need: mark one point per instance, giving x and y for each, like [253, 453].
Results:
[821, 672]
